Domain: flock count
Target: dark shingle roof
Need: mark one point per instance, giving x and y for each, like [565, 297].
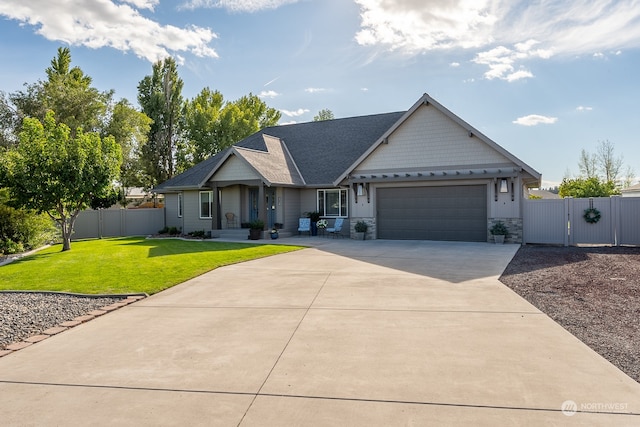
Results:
[322, 150]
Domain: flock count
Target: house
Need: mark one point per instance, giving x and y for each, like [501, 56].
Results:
[632, 191]
[544, 194]
[421, 174]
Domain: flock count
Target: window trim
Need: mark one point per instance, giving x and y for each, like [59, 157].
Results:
[210, 193]
[322, 209]
[180, 204]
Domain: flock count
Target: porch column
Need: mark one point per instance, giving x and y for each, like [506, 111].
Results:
[216, 223]
[262, 207]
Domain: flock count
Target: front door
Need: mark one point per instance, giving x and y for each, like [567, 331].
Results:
[270, 202]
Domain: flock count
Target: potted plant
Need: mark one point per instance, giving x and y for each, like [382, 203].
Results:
[499, 232]
[361, 229]
[255, 229]
[274, 232]
[314, 217]
[322, 225]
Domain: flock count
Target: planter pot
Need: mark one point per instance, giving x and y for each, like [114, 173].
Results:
[314, 228]
[359, 235]
[498, 238]
[255, 234]
[274, 236]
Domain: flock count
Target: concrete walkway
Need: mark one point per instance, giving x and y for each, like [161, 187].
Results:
[373, 333]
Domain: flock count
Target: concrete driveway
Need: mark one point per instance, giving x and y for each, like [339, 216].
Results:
[344, 333]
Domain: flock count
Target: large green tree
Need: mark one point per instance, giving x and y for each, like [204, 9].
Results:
[160, 97]
[60, 173]
[210, 124]
[129, 127]
[69, 93]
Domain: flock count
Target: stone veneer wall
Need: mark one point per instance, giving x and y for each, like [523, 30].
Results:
[371, 227]
[514, 225]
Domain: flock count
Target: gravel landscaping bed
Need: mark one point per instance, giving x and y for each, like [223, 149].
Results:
[593, 292]
[23, 314]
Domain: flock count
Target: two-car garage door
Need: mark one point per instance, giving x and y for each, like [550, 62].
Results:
[456, 213]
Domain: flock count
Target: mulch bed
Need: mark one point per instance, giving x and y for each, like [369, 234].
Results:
[593, 292]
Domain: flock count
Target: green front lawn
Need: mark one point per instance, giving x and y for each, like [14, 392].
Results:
[126, 265]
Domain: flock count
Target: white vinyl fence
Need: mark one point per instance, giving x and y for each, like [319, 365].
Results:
[562, 222]
[118, 222]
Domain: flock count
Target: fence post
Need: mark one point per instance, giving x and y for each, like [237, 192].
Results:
[615, 219]
[568, 204]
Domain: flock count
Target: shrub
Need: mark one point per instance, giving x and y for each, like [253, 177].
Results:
[22, 229]
[499, 229]
[173, 231]
[198, 234]
[361, 227]
[256, 225]
[165, 230]
[8, 247]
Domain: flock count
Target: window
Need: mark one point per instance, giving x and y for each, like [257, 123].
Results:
[206, 201]
[179, 205]
[333, 203]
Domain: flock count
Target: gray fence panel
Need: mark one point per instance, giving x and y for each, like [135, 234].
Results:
[87, 225]
[545, 222]
[582, 232]
[143, 221]
[118, 223]
[112, 222]
[629, 225]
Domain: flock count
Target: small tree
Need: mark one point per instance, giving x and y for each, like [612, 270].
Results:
[587, 187]
[324, 114]
[59, 174]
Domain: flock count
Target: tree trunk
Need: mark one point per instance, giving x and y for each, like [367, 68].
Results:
[66, 226]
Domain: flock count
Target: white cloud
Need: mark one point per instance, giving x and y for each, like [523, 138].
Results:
[582, 108]
[268, 94]
[299, 112]
[364, 89]
[501, 60]
[535, 119]
[556, 27]
[104, 23]
[454, 64]
[142, 4]
[315, 89]
[237, 5]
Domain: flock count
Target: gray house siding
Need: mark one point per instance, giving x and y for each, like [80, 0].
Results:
[191, 213]
[290, 208]
[171, 211]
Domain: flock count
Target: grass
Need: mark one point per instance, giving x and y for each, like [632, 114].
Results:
[126, 265]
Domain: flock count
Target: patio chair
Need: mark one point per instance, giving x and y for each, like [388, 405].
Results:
[304, 224]
[232, 222]
[336, 230]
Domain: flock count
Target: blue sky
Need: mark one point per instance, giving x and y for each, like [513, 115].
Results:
[542, 78]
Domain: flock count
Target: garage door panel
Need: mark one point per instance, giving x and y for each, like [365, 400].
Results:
[456, 213]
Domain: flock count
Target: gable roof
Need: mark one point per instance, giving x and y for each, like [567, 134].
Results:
[321, 151]
[473, 132]
[274, 166]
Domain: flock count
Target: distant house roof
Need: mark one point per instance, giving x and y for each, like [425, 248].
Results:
[544, 194]
[321, 150]
[632, 191]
